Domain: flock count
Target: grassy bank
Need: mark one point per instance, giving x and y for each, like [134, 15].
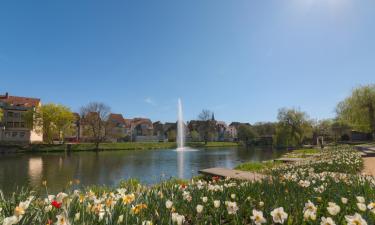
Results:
[110, 146]
[326, 191]
[257, 166]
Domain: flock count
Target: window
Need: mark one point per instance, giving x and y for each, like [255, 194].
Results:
[14, 134]
[17, 124]
[10, 124]
[10, 114]
[16, 115]
[7, 134]
[22, 124]
[22, 134]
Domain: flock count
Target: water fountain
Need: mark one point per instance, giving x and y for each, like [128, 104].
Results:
[180, 127]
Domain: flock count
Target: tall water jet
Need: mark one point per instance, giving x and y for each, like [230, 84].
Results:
[180, 127]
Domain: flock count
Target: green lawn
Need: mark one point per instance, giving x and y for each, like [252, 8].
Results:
[113, 146]
[212, 144]
[257, 166]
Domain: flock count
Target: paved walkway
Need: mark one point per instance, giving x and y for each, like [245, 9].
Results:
[235, 174]
[369, 166]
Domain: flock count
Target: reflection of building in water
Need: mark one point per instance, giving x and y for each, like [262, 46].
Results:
[35, 171]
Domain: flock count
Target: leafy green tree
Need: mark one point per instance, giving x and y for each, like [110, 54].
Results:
[172, 135]
[358, 110]
[54, 121]
[245, 133]
[339, 128]
[1, 115]
[293, 127]
[265, 128]
[324, 128]
[194, 135]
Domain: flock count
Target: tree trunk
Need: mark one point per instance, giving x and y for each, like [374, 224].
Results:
[97, 146]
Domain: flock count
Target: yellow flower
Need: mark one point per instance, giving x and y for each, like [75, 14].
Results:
[18, 211]
[127, 199]
[137, 209]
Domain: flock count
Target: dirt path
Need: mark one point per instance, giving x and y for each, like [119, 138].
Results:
[369, 168]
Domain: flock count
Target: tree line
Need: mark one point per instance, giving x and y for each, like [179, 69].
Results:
[293, 127]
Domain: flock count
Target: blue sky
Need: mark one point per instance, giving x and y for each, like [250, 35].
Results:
[242, 59]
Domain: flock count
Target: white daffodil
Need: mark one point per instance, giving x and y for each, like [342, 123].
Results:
[361, 206]
[344, 200]
[217, 203]
[327, 221]
[199, 208]
[61, 196]
[77, 216]
[146, 222]
[279, 216]
[168, 204]
[309, 212]
[62, 220]
[360, 199]
[10, 220]
[204, 199]
[120, 219]
[356, 219]
[333, 208]
[258, 217]
[232, 207]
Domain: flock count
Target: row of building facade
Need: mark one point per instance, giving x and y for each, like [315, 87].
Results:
[13, 128]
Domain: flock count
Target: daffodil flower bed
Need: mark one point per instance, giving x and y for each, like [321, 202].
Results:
[300, 194]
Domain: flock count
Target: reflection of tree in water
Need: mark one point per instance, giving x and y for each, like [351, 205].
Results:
[111, 166]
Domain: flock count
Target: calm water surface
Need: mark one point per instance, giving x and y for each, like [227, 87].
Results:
[110, 167]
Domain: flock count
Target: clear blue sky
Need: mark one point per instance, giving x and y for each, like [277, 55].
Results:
[242, 59]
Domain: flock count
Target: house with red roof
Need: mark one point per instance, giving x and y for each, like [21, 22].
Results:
[12, 126]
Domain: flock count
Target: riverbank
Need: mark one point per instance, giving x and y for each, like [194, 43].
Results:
[328, 189]
[268, 165]
[107, 146]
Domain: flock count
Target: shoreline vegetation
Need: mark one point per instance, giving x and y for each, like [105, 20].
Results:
[31, 148]
[265, 166]
[328, 190]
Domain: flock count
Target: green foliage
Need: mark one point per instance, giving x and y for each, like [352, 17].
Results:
[293, 128]
[194, 135]
[263, 129]
[172, 135]
[1, 114]
[245, 133]
[54, 121]
[290, 187]
[358, 110]
[257, 166]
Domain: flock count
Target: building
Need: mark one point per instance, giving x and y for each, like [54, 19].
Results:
[13, 126]
[117, 127]
[232, 129]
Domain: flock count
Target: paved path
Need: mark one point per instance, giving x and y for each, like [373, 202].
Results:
[366, 151]
[235, 174]
[369, 166]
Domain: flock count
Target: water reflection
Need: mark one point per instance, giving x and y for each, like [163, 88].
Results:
[180, 164]
[35, 171]
[112, 166]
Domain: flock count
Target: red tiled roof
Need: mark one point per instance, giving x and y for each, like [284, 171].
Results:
[20, 101]
[117, 117]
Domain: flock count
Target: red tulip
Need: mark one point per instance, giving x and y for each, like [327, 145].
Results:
[56, 204]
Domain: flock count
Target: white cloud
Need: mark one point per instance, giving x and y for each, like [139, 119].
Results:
[149, 101]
